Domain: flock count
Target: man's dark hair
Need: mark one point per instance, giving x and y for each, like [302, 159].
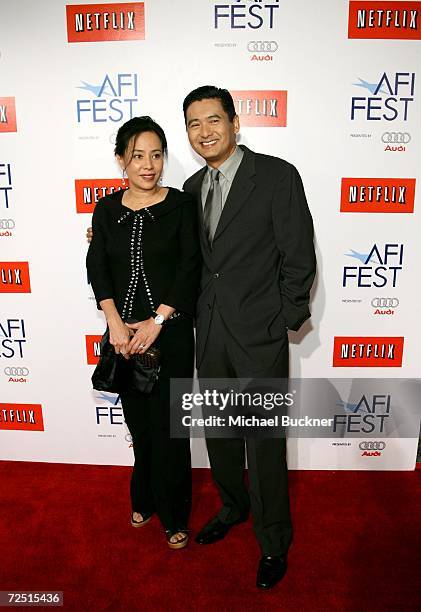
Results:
[133, 128]
[210, 91]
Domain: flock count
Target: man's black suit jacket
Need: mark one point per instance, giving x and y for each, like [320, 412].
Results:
[261, 266]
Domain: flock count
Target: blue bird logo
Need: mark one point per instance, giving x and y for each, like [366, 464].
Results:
[348, 407]
[95, 89]
[372, 87]
[363, 257]
[111, 398]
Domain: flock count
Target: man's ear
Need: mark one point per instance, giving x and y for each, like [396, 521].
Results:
[236, 122]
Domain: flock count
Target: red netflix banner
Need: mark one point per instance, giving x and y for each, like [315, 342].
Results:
[7, 115]
[26, 417]
[378, 195]
[394, 20]
[93, 349]
[14, 277]
[105, 22]
[367, 352]
[89, 191]
[261, 108]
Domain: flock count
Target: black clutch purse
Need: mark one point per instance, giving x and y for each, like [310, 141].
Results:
[115, 374]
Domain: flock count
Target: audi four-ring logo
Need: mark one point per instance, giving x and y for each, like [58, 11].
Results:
[9, 371]
[262, 46]
[384, 302]
[396, 137]
[7, 224]
[371, 445]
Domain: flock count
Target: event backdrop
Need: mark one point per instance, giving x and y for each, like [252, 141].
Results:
[331, 86]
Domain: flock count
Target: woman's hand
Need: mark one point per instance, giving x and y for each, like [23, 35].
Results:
[119, 336]
[146, 332]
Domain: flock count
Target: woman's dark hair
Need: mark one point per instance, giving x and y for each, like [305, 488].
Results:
[210, 91]
[133, 128]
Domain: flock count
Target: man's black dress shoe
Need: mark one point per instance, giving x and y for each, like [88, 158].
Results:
[271, 571]
[215, 530]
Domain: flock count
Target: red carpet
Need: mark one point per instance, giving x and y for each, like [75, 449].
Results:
[65, 527]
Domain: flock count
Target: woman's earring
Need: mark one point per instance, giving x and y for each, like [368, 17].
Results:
[123, 180]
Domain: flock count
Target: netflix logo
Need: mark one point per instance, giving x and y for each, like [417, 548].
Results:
[26, 417]
[261, 108]
[367, 352]
[378, 195]
[14, 277]
[7, 115]
[93, 349]
[105, 22]
[89, 191]
[394, 20]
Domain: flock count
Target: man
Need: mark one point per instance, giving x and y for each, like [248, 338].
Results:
[259, 264]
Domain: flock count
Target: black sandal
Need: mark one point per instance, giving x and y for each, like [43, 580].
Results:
[181, 543]
[146, 519]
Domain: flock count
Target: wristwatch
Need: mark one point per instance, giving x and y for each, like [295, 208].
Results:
[159, 319]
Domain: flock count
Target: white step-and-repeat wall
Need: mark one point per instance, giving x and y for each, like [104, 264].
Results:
[331, 86]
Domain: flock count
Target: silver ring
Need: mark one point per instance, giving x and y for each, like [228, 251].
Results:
[123, 352]
[141, 346]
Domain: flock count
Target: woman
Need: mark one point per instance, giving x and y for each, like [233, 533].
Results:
[144, 266]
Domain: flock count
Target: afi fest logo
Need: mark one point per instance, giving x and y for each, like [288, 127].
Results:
[114, 98]
[12, 338]
[386, 264]
[7, 115]
[261, 108]
[367, 352]
[395, 20]
[89, 191]
[366, 416]
[5, 185]
[14, 277]
[26, 417]
[378, 195]
[105, 22]
[93, 349]
[245, 14]
[389, 100]
[111, 413]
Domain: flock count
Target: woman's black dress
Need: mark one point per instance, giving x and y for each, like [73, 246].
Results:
[142, 259]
